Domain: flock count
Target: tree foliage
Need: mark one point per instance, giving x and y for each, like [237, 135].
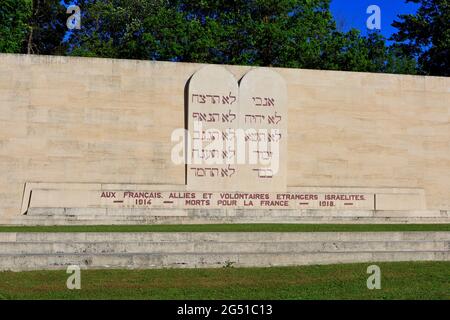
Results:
[47, 27]
[114, 29]
[14, 28]
[282, 33]
[279, 33]
[426, 35]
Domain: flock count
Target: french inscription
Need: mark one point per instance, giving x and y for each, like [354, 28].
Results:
[257, 200]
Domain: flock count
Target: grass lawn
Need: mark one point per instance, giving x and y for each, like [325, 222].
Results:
[399, 280]
[235, 228]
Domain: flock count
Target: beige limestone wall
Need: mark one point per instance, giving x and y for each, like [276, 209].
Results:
[109, 121]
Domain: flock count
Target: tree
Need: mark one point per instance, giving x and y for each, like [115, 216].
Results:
[289, 33]
[117, 28]
[46, 28]
[14, 17]
[397, 62]
[352, 52]
[279, 33]
[426, 36]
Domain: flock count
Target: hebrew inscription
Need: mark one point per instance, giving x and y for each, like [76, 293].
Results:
[236, 135]
[263, 106]
[213, 110]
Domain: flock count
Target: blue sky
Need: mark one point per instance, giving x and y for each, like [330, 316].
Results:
[352, 13]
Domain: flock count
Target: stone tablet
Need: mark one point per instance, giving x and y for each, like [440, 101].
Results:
[263, 117]
[237, 138]
[213, 111]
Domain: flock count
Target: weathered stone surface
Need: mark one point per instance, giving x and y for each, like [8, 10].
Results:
[63, 217]
[34, 251]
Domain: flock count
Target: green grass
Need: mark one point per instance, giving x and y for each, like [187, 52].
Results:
[400, 280]
[235, 228]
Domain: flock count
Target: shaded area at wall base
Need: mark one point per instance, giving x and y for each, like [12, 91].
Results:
[74, 216]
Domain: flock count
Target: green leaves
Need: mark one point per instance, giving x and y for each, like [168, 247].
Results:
[278, 33]
[426, 36]
[14, 16]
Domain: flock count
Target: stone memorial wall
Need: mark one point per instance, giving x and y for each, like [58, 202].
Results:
[102, 133]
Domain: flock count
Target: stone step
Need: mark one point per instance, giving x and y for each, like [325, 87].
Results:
[25, 262]
[216, 247]
[35, 251]
[124, 237]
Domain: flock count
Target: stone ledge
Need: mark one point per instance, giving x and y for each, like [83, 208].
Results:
[107, 198]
